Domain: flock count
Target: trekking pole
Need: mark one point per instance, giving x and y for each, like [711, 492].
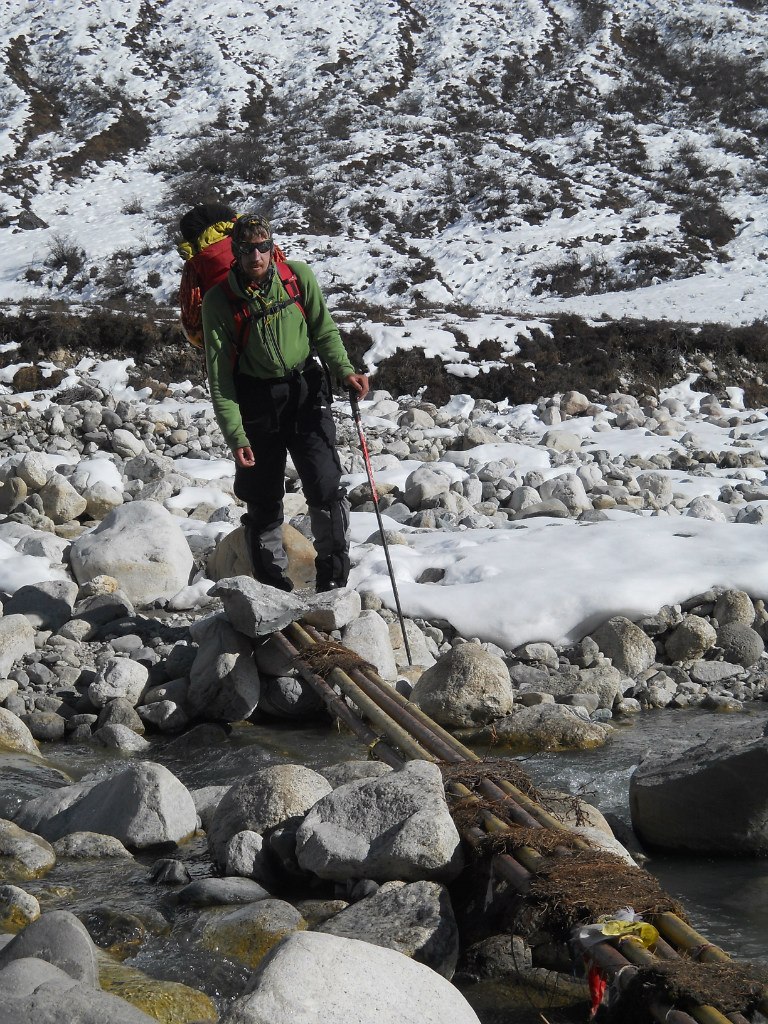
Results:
[374, 494]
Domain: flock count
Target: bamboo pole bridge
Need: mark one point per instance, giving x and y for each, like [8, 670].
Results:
[496, 816]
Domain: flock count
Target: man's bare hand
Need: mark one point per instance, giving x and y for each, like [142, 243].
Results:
[244, 458]
[359, 382]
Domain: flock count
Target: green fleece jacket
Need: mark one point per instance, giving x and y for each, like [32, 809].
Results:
[277, 342]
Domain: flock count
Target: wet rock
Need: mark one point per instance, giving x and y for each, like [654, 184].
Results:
[23, 855]
[17, 908]
[245, 856]
[248, 933]
[120, 737]
[211, 892]
[169, 871]
[352, 771]
[85, 845]
[711, 799]
[465, 687]
[389, 987]
[168, 1002]
[393, 827]
[289, 697]
[415, 919]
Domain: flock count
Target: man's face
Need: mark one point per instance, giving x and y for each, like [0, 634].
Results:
[255, 264]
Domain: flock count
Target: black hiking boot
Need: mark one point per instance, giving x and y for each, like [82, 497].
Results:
[322, 586]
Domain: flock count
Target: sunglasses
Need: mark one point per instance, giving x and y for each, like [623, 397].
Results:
[246, 248]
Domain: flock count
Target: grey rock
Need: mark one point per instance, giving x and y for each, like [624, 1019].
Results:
[17, 638]
[352, 771]
[206, 801]
[709, 672]
[711, 799]
[415, 919]
[33, 990]
[264, 800]
[46, 605]
[25, 854]
[15, 735]
[466, 686]
[212, 892]
[734, 606]
[554, 508]
[45, 726]
[141, 545]
[18, 908]
[368, 636]
[248, 932]
[541, 727]
[254, 608]
[691, 639]
[289, 697]
[143, 805]
[88, 845]
[120, 712]
[333, 610]
[741, 645]
[389, 987]
[629, 649]
[224, 682]
[60, 939]
[61, 502]
[245, 856]
[120, 737]
[393, 827]
[118, 678]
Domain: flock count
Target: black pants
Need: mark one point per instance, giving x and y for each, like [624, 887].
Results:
[292, 416]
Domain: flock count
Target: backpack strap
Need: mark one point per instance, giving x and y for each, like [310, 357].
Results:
[291, 284]
[242, 312]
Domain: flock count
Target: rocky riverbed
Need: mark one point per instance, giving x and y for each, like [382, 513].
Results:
[131, 628]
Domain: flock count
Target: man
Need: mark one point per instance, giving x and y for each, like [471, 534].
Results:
[264, 328]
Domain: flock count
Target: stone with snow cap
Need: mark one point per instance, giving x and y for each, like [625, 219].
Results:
[254, 608]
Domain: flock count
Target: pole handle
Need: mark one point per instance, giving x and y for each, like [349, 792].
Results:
[353, 400]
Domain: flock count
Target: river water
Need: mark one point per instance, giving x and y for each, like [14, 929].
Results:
[727, 900]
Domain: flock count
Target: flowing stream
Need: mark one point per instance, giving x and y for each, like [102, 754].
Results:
[726, 899]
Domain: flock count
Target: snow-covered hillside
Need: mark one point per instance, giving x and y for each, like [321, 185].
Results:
[518, 157]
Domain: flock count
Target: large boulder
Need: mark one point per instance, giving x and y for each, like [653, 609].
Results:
[394, 827]
[224, 681]
[144, 805]
[467, 686]
[263, 801]
[347, 982]
[414, 918]
[631, 651]
[230, 557]
[142, 546]
[711, 799]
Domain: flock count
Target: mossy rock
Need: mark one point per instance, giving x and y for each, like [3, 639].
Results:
[169, 1002]
[248, 933]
